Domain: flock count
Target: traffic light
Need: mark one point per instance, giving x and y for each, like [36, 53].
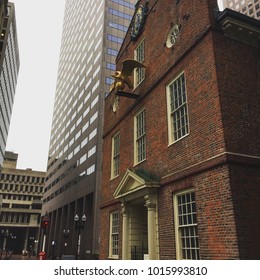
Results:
[45, 221]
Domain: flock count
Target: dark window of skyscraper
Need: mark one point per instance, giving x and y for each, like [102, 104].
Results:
[117, 26]
[111, 66]
[114, 39]
[119, 14]
[124, 3]
[109, 81]
[112, 52]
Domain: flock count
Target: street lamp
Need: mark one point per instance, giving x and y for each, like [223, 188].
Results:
[53, 244]
[13, 238]
[79, 226]
[66, 233]
[6, 234]
[31, 246]
[44, 224]
[35, 247]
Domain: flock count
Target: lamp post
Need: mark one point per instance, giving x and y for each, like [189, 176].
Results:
[13, 238]
[66, 233]
[44, 224]
[79, 226]
[35, 247]
[6, 234]
[53, 244]
[31, 246]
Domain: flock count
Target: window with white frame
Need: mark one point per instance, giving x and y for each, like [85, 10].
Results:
[139, 73]
[186, 228]
[115, 155]
[140, 137]
[114, 235]
[178, 122]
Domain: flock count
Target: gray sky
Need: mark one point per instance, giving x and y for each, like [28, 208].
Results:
[39, 28]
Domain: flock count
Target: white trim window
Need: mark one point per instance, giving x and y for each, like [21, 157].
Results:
[139, 73]
[140, 137]
[186, 228]
[177, 107]
[115, 164]
[114, 235]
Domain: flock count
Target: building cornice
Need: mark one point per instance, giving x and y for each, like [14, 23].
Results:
[210, 163]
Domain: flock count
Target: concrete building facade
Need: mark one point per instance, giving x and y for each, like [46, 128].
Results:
[93, 32]
[21, 193]
[181, 148]
[9, 68]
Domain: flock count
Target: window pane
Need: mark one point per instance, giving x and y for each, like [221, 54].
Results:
[139, 56]
[178, 107]
[140, 136]
[114, 233]
[188, 226]
[116, 155]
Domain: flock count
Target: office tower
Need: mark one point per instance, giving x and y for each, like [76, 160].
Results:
[9, 67]
[3, 12]
[21, 192]
[247, 7]
[92, 35]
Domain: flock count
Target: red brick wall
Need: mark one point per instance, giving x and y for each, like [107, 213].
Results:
[239, 89]
[204, 120]
[245, 181]
[105, 229]
[216, 225]
[221, 119]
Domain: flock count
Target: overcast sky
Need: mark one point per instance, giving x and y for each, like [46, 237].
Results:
[39, 28]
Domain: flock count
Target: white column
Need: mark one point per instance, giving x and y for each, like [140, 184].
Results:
[125, 237]
[151, 203]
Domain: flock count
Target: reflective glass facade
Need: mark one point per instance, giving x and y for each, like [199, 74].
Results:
[92, 35]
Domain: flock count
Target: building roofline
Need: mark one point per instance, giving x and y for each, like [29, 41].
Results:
[239, 27]
[228, 13]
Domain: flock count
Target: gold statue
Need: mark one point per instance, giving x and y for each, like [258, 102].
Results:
[122, 77]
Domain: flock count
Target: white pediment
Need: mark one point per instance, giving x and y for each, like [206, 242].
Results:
[133, 185]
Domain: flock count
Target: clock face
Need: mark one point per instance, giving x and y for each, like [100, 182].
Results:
[138, 22]
[172, 36]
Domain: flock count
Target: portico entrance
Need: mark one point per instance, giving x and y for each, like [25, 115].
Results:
[138, 193]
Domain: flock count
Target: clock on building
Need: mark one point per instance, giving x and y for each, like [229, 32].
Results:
[138, 22]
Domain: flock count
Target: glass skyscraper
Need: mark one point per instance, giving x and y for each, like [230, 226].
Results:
[93, 32]
[9, 68]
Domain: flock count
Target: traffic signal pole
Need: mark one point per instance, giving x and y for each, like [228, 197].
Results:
[44, 224]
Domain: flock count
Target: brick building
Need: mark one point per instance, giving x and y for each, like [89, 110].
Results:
[181, 155]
